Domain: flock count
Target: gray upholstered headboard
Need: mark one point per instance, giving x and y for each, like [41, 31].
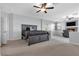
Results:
[32, 27]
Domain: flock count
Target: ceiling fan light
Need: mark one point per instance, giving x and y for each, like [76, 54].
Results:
[43, 9]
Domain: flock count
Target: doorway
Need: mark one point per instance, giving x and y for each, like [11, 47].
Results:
[4, 28]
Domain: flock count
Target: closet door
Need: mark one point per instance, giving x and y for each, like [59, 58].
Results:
[0, 28]
[4, 28]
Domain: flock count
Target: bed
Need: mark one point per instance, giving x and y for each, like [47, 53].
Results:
[33, 36]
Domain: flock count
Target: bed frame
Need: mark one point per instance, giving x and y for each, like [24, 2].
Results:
[34, 36]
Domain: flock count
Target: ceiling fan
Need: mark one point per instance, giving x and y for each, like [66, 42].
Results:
[43, 7]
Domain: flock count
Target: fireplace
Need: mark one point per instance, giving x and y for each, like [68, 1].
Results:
[72, 29]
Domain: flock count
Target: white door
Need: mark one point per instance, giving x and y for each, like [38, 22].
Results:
[4, 28]
[0, 28]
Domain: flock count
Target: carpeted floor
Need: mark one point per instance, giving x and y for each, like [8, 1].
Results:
[47, 48]
[0, 51]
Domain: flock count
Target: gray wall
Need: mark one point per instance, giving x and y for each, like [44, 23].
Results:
[10, 18]
[12, 25]
[74, 37]
[18, 20]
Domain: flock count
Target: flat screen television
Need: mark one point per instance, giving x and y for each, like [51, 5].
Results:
[71, 24]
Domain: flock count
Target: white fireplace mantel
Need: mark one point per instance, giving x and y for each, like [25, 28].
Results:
[76, 27]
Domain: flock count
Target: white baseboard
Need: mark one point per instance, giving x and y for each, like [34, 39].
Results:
[74, 43]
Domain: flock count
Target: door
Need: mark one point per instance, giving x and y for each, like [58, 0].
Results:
[0, 28]
[4, 28]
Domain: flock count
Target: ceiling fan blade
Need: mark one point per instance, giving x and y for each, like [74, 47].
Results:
[43, 5]
[38, 11]
[36, 6]
[50, 8]
[45, 11]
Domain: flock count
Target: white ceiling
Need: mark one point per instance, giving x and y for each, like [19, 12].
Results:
[27, 9]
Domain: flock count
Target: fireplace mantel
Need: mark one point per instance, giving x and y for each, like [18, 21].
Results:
[72, 28]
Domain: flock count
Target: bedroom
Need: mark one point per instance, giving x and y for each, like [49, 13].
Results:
[14, 15]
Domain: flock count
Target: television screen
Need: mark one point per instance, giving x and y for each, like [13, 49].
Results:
[71, 24]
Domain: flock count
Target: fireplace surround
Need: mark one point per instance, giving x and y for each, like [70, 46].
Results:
[72, 29]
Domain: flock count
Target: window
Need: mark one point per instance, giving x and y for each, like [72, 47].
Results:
[52, 27]
[59, 26]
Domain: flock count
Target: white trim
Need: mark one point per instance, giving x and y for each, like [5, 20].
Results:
[74, 43]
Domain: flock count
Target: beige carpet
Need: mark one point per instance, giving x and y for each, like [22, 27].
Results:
[0, 51]
[48, 48]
